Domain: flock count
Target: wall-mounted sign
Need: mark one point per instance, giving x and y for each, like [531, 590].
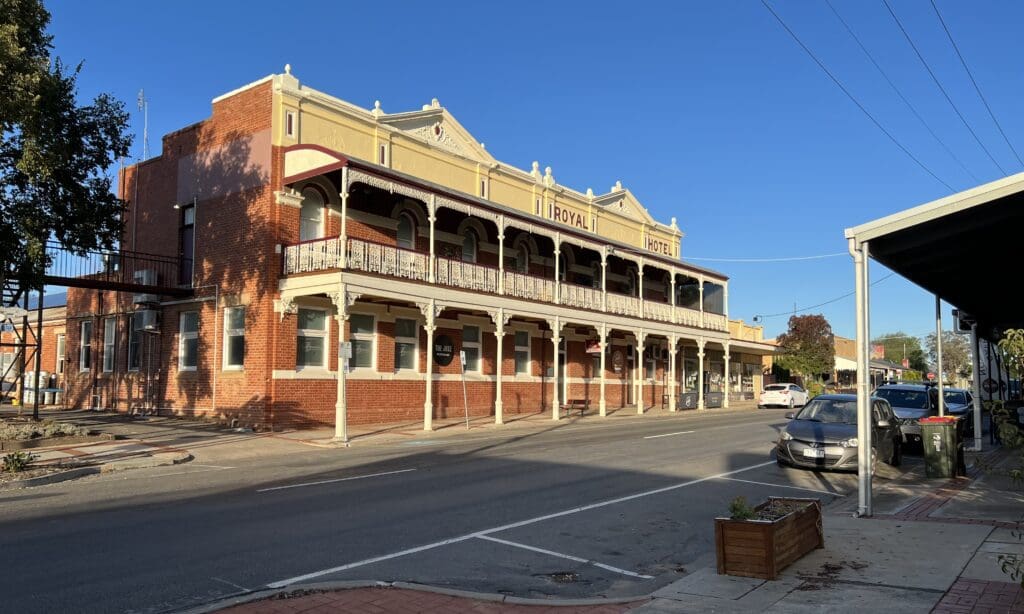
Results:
[570, 218]
[444, 350]
[617, 361]
[658, 246]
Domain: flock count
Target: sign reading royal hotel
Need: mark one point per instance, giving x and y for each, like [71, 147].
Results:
[390, 231]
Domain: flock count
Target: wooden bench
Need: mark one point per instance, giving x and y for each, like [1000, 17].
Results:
[573, 404]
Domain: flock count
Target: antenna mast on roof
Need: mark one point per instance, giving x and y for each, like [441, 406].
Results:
[144, 107]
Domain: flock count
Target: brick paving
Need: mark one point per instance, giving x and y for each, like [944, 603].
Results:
[404, 601]
[981, 597]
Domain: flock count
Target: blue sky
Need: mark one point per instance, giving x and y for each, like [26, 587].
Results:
[708, 111]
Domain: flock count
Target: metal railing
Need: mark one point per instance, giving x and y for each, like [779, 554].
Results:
[117, 269]
[583, 297]
[382, 259]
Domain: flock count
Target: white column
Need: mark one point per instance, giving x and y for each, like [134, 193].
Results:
[556, 338]
[672, 292]
[344, 219]
[604, 356]
[604, 280]
[860, 262]
[638, 369]
[432, 212]
[700, 290]
[673, 341]
[501, 255]
[430, 311]
[938, 354]
[499, 334]
[341, 400]
[700, 373]
[558, 277]
[725, 396]
[976, 379]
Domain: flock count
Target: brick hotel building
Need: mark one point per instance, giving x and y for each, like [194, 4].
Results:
[302, 220]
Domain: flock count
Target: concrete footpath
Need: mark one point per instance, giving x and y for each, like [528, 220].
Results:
[931, 546]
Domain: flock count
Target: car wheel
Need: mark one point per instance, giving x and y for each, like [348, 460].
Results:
[897, 454]
[780, 462]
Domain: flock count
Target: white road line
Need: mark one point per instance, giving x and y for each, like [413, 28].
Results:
[357, 477]
[669, 434]
[505, 527]
[238, 586]
[824, 492]
[565, 556]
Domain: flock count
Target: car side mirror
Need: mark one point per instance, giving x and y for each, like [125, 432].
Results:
[882, 424]
[790, 416]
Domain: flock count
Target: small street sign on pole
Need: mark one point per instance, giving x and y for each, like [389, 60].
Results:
[462, 368]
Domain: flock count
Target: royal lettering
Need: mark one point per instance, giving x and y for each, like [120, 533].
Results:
[570, 218]
[659, 247]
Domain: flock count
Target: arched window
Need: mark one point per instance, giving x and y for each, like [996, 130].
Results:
[563, 267]
[523, 258]
[406, 232]
[311, 215]
[631, 282]
[595, 279]
[469, 243]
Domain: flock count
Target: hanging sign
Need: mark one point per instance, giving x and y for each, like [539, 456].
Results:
[444, 350]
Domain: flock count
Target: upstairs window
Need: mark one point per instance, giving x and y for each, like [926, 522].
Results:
[469, 245]
[523, 259]
[311, 214]
[406, 232]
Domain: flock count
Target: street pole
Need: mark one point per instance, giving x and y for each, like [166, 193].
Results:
[976, 380]
[462, 368]
[938, 352]
[860, 269]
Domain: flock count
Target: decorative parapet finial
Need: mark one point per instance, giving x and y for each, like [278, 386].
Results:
[617, 187]
[435, 103]
[548, 178]
[377, 111]
[590, 194]
[674, 225]
[287, 69]
[536, 170]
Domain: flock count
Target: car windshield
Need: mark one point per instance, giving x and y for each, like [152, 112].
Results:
[910, 399]
[830, 410]
[957, 398]
[774, 388]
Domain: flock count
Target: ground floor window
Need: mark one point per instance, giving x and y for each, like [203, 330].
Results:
[61, 349]
[471, 346]
[690, 374]
[361, 328]
[522, 352]
[134, 337]
[234, 337]
[85, 347]
[406, 341]
[311, 338]
[188, 341]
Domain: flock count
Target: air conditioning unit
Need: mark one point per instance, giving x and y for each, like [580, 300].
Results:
[147, 320]
[146, 277]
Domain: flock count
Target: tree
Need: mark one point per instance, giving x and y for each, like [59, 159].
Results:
[808, 347]
[900, 345]
[54, 154]
[956, 354]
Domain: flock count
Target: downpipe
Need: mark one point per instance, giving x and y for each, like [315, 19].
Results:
[863, 381]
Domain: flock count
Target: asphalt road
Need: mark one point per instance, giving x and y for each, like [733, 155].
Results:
[601, 508]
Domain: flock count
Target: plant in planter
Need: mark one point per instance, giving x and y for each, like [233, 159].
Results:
[760, 542]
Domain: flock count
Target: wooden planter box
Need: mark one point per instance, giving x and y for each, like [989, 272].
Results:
[763, 548]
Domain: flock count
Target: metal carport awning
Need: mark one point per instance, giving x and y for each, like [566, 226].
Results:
[961, 248]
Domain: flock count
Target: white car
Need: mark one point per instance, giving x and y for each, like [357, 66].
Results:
[784, 395]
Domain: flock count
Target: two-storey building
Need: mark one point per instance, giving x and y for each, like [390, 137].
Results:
[304, 221]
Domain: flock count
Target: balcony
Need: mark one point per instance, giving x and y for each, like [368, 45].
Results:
[380, 259]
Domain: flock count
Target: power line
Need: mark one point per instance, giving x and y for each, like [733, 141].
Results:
[760, 317]
[949, 35]
[852, 98]
[941, 89]
[789, 259]
[900, 93]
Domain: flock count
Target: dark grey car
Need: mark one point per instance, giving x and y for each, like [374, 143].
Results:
[823, 435]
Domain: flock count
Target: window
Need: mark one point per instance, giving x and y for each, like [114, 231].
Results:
[188, 340]
[289, 124]
[187, 243]
[537, 208]
[471, 346]
[311, 340]
[595, 367]
[85, 347]
[483, 188]
[109, 336]
[362, 332]
[61, 350]
[631, 282]
[523, 259]
[134, 337]
[406, 232]
[650, 365]
[8, 369]
[405, 344]
[522, 352]
[312, 215]
[595, 279]
[563, 267]
[234, 337]
[469, 243]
